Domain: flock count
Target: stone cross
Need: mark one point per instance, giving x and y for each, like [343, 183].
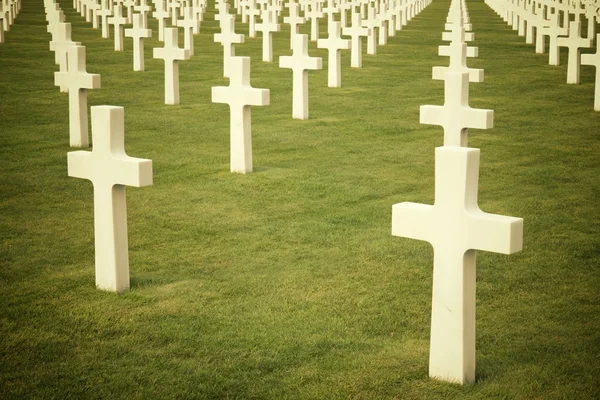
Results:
[456, 228]
[173, 6]
[228, 38]
[172, 54]
[189, 24]
[240, 96]
[314, 14]
[455, 116]
[356, 32]
[77, 80]
[129, 4]
[104, 12]
[300, 63]
[371, 23]
[458, 51]
[161, 15]
[138, 33]
[594, 60]
[267, 27]
[143, 9]
[591, 13]
[574, 42]
[118, 21]
[110, 170]
[294, 20]
[252, 12]
[60, 47]
[334, 44]
[554, 30]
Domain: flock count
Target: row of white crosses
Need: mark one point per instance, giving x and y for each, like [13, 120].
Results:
[561, 23]
[107, 165]
[9, 9]
[454, 225]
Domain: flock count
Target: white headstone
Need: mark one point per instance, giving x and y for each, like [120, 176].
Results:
[456, 228]
[118, 21]
[104, 13]
[110, 170]
[77, 80]
[334, 44]
[189, 24]
[300, 63]
[240, 96]
[138, 33]
[356, 32]
[172, 54]
[228, 38]
[267, 27]
[455, 116]
[314, 14]
[294, 20]
[161, 15]
[594, 60]
[574, 42]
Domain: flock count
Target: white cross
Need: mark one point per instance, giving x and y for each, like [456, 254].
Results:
[161, 15]
[173, 6]
[240, 96]
[331, 10]
[228, 38]
[356, 32]
[110, 169]
[129, 4]
[554, 30]
[456, 228]
[77, 80]
[104, 13]
[300, 62]
[455, 116]
[189, 24]
[172, 54]
[267, 27]
[574, 42]
[252, 13]
[94, 7]
[591, 13]
[371, 23]
[143, 9]
[60, 47]
[294, 19]
[334, 44]
[314, 14]
[118, 21]
[458, 52]
[594, 60]
[138, 33]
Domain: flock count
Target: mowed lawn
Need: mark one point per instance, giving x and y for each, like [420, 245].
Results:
[286, 283]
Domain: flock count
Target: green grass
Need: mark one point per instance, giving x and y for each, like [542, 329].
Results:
[286, 283]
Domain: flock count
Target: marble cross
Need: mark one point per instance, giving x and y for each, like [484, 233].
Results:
[294, 20]
[228, 38]
[594, 60]
[456, 228]
[356, 32]
[110, 170]
[334, 45]
[267, 27]
[118, 21]
[77, 80]
[104, 12]
[574, 42]
[189, 23]
[172, 54]
[161, 15]
[138, 33]
[455, 116]
[300, 63]
[314, 14]
[239, 95]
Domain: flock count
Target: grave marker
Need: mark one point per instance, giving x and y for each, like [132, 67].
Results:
[171, 54]
[334, 44]
[118, 21]
[574, 42]
[594, 60]
[138, 33]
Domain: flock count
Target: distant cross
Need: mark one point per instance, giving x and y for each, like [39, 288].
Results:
[314, 14]
[110, 170]
[252, 12]
[344, 6]
[356, 32]
[129, 4]
[455, 116]
[228, 38]
[104, 13]
[294, 20]
[189, 24]
[331, 10]
[458, 52]
[554, 30]
[60, 46]
[371, 23]
[383, 31]
[138, 33]
[173, 6]
[574, 42]
[591, 13]
[240, 96]
[143, 8]
[594, 60]
[94, 7]
[267, 27]
[456, 228]
[118, 21]
[161, 15]
[334, 44]
[77, 80]
[300, 63]
[172, 54]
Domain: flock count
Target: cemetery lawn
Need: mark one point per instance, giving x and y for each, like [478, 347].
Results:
[286, 283]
